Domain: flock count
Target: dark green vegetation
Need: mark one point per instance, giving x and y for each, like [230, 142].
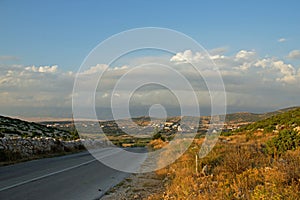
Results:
[244, 117]
[284, 141]
[253, 117]
[18, 128]
[283, 126]
[282, 120]
[130, 142]
[157, 136]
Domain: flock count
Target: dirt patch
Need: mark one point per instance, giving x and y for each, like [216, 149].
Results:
[136, 186]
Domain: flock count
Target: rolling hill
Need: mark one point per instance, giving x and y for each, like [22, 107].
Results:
[10, 127]
[283, 119]
[254, 117]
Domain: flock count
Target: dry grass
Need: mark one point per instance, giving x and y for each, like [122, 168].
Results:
[157, 144]
[238, 169]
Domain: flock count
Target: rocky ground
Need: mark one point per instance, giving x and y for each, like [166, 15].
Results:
[136, 186]
[17, 149]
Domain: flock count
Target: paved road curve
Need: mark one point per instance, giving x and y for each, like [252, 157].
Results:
[78, 176]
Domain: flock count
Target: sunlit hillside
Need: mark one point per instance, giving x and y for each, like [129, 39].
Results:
[258, 161]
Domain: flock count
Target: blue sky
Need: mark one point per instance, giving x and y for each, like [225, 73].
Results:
[43, 43]
[63, 32]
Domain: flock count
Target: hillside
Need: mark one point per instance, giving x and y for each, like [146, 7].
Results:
[10, 127]
[239, 117]
[258, 161]
[254, 117]
[282, 119]
[243, 117]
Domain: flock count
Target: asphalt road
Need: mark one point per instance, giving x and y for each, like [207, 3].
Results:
[77, 176]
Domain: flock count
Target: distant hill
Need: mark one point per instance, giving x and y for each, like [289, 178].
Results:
[243, 117]
[254, 117]
[288, 118]
[16, 127]
[10, 127]
[269, 114]
[238, 117]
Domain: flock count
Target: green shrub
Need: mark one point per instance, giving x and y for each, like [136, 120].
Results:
[286, 140]
[228, 133]
[269, 128]
[158, 136]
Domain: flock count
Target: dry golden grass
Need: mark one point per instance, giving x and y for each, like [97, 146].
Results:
[238, 169]
[157, 144]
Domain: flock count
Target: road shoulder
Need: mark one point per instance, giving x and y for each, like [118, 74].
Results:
[136, 186]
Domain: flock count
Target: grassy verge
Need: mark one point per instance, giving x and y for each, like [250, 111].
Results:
[238, 169]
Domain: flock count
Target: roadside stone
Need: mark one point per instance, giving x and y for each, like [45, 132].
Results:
[34, 146]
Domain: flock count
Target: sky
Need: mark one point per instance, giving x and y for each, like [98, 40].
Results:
[255, 44]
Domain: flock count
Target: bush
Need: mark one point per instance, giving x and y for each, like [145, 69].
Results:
[286, 140]
[228, 133]
[269, 128]
[241, 158]
[157, 136]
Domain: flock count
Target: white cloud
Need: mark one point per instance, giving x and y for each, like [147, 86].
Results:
[188, 56]
[284, 72]
[262, 63]
[245, 55]
[42, 69]
[117, 95]
[33, 86]
[94, 69]
[217, 57]
[249, 80]
[218, 51]
[295, 54]
[245, 61]
[281, 40]
[105, 95]
[287, 70]
[120, 68]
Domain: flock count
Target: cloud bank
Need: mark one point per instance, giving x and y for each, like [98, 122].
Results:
[252, 82]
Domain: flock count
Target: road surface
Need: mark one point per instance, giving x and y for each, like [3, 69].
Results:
[77, 176]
